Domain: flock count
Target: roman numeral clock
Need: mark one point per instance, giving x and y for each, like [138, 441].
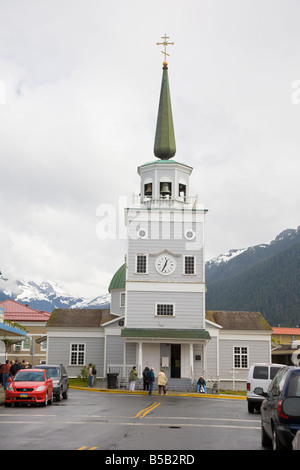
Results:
[165, 265]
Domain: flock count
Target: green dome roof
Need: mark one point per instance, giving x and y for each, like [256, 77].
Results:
[118, 280]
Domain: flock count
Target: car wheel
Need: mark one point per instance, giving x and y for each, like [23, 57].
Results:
[276, 444]
[266, 441]
[45, 403]
[58, 396]
[50, 401]
[65, 395]
[250, 407]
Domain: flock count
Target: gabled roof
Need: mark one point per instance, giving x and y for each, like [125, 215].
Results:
[238, 320]
[277, 330]
[79, 318]
[16, 312]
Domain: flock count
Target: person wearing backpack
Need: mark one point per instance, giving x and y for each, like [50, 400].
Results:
[145, 378]
[151, 379]
[91, 377]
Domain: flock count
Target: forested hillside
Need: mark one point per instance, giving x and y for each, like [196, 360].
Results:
[271, 286]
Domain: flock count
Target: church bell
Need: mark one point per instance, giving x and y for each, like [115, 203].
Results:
[148, 189]
[165, 189]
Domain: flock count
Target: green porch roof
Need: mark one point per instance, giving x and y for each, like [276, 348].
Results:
[164, 333]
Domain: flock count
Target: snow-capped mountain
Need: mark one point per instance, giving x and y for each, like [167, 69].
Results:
[238, 260]
[102, 301]
[262, 278]
[50, 294]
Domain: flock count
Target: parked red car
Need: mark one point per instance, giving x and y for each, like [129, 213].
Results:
[30, 386]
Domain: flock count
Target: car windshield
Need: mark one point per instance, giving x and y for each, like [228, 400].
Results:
[53, 371]
[29, 376]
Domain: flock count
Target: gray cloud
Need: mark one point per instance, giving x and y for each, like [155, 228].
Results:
[82, 85]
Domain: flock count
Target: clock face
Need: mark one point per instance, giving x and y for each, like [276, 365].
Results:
[165, 264]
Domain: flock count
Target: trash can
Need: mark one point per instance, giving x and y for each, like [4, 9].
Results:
[112, 380]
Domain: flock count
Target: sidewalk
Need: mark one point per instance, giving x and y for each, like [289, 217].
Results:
[101, 386]
[155, 393]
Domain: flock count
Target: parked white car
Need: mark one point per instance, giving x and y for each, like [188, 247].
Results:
[260, 375]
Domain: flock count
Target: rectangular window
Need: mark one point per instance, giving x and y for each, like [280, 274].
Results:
[77, 354]
[189, 265]
[261, 372]
[241, 357]
[122, 299]
[23, 345]
[141, 264]
[43, 345]
[165, 310]
[18, 346]
[26, 344]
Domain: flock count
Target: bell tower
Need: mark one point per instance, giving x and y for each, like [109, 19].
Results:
[165, 285]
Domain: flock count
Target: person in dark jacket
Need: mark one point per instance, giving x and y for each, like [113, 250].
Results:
[201, 385]
[14, 368]
[145, 378]
[151, 378]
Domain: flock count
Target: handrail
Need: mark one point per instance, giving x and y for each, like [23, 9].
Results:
[165, 201]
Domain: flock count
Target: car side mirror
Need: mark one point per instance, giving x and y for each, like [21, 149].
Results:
[260, 391]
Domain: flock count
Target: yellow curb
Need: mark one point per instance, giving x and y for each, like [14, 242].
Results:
[172, 394]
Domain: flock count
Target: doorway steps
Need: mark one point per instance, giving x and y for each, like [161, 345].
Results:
[181, 385]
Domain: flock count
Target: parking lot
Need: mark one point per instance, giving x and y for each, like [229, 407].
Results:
[132, 422]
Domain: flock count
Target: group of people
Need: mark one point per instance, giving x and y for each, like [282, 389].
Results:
[10, 368]
[149, 379]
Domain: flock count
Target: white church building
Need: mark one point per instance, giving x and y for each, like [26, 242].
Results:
[157, 315]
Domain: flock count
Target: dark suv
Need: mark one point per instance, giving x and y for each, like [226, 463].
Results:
[280, 410]
[59, 378]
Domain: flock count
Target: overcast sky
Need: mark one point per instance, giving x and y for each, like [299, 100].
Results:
[79, 92]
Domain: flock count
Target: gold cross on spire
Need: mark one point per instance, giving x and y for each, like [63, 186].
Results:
[165, 43]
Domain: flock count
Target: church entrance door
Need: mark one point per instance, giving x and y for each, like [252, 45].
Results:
[175, 361]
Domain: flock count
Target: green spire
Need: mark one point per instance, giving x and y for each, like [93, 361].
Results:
[164, 144]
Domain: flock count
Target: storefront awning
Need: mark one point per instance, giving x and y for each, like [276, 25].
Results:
[11, 333]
